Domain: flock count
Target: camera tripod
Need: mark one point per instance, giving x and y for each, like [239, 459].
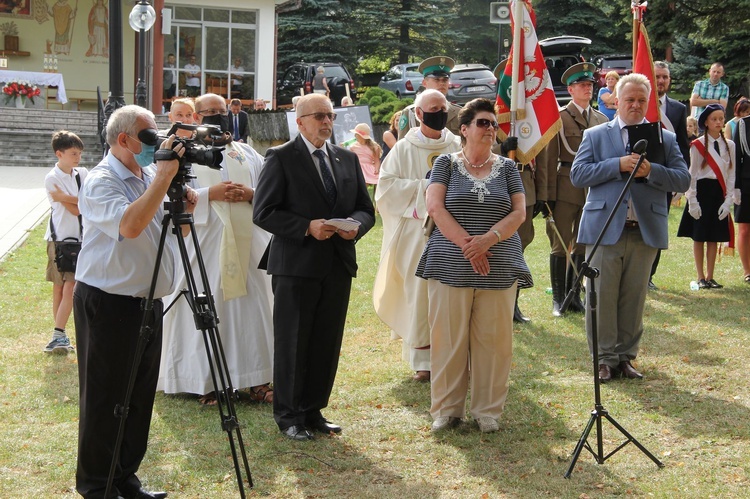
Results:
[206, 320]
[599, 411]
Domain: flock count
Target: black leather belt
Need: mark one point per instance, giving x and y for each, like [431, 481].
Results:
[631, 224]
[522, 167]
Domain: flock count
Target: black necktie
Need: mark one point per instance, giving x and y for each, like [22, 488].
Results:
[325, 172]
[716, 146]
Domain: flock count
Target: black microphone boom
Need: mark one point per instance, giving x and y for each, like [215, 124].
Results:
[640, 146]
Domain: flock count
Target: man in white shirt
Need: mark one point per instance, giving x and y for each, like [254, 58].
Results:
[193, 78]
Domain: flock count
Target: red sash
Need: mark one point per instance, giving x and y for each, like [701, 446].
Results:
[698, 144]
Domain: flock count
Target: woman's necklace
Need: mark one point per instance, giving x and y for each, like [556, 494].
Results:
[480, 164]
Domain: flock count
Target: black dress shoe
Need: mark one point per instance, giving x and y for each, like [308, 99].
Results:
[518, 315]
[138, 492]
[628, 371]
[606, 373]
[651, 285]
[297, 432]
[324, 426]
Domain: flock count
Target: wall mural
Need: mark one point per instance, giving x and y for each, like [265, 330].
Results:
[16, 8]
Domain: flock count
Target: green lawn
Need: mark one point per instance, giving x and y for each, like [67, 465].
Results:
[692, 410]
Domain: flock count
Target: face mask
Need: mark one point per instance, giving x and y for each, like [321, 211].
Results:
[436, 120]
[221, 120]
[146, 156]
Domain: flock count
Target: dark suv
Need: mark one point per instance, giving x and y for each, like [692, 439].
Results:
[300, 76]
[561, 52]
[622, 63]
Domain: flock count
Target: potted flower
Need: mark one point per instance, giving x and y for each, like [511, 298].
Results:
[20, 91]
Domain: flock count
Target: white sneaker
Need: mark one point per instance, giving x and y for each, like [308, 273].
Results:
[60, 346]
[445, 422]
[487, 424]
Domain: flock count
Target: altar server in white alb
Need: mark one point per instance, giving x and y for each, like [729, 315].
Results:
[231, 246]
[400, 298]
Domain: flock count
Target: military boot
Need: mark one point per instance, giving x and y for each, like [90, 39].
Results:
[576, 305]
[557, 266]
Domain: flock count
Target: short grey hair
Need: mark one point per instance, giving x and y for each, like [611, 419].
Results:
[661, 65]
[427, 93]
[633, 78]
[125, 120]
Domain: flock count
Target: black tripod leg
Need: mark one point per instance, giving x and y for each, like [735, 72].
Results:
[121, 411]
[631, 438]
[206, 320]
[581, 443]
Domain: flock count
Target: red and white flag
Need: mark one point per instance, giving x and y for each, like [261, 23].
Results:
[644, 64]
[537, 116]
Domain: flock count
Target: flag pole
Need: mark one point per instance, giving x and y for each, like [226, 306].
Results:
[636, 26]
[517, 59]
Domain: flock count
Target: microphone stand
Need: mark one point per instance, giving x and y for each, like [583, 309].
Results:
[599, 411]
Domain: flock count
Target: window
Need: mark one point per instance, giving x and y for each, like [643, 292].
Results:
[224, 44]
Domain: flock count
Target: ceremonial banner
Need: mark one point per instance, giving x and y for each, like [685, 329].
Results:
[538, 117]
[644, 64]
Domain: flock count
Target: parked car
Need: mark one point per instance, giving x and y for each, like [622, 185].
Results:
[622, 63]
[561, 52]
[402, 79]
[299, 76]
[471, 81]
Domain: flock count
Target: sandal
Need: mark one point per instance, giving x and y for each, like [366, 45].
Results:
[208, 399]
[746, 278]
[262, 393]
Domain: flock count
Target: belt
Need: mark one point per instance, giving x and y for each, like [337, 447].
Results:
[631, 224]
[521, 167]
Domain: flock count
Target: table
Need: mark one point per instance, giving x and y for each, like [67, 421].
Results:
[38, 79]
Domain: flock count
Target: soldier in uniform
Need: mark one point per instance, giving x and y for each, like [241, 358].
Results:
[436, 71]
[566, 201]
[534, 184]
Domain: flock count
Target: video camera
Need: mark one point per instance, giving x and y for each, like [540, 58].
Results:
[204, 147]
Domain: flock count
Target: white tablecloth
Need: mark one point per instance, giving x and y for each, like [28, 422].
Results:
[38, 79]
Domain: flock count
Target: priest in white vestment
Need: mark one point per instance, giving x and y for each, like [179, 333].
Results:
[399, 297]
[231, 246]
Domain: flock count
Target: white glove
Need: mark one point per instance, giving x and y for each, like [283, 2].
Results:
[724, 209]
[694, 209]
[737, 196]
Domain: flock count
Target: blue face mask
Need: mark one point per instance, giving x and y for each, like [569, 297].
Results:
[146, 156]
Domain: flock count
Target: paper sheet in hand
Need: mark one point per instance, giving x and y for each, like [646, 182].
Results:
[651, 132]
[345, 224]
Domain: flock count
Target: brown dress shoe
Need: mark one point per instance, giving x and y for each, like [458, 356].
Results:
[421, 376]
[628, 371]
[605, 373]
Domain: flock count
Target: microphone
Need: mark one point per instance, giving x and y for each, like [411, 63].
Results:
[640, 146]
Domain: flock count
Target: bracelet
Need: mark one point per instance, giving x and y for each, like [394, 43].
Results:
[499, 236]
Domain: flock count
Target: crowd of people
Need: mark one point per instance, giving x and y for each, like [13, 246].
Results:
[277, 235]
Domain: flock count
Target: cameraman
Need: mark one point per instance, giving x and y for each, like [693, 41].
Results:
[121, 204]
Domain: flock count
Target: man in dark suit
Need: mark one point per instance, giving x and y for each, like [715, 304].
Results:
[673, 118]
[238, 121]
[638, 229]
[304, 184]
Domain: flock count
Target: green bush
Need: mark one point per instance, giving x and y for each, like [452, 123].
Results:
[383, 103]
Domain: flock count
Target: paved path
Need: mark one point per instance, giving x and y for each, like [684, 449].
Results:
[23, 204]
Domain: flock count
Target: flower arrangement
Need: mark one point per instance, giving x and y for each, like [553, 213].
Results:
[22, 89]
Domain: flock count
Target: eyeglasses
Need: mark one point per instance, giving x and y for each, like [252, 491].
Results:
[486, 124]
[211, 112]
[321, 116]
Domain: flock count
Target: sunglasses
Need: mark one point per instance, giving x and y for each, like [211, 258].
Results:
[321, 116]
[486, 124]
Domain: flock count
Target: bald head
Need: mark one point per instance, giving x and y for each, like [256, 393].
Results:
[310, 101]
[315, 118]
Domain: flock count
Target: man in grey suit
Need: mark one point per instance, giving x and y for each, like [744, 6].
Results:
[304, 184]
[638, 228]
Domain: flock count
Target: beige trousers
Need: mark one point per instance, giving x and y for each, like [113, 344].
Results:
[471, 331]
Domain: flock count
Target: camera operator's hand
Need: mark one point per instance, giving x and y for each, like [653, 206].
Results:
[191, 199]
[168, 169]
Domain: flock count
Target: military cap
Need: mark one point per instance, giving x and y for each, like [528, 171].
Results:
[583, 71]
[500, 68]
[437, 66]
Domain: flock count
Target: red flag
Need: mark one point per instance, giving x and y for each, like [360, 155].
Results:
[644, 64]
[538, 117]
